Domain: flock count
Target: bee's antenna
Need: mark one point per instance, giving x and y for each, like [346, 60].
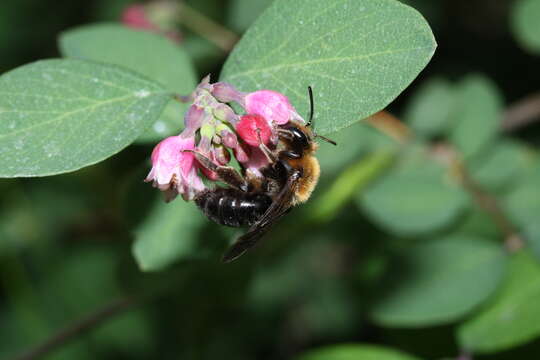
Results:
[311, 106]
[310, 121]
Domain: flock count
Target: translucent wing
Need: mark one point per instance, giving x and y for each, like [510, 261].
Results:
[279, 207]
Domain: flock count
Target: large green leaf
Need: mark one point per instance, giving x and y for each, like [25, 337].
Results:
[415, 197]
[149, 54]
[514, 317]
[525, 24]
[477, 115]
[61, 115]
[358, 55]
[355, 352]
[438, 281]
[168, 234]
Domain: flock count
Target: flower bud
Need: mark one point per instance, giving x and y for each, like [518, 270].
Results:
[227, 93]
[271, 105]
[224, 113]
[254, 130]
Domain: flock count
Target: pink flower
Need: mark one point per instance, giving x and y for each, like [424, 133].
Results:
[271, 105]
[173, 168]
[254, 130]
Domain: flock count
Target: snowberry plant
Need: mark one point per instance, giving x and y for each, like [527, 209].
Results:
[115, 85]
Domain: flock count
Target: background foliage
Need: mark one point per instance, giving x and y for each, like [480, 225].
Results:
[421, 241]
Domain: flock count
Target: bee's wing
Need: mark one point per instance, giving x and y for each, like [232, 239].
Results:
[279, 207]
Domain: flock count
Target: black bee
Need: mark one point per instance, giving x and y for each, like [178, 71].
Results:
[258, 202]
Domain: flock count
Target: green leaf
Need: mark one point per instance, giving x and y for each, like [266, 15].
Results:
[532, 236]
[358, 55]
[477, 114]
[513, 318]
[525, 24]
[58, 116]
[429, 110]
[439, 281]
[149, 54]
[415, 197]
[500, 165]
[523, 202]
[355, 352]
[169, 234]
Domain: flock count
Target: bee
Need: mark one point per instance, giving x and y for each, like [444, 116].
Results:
[259, 202]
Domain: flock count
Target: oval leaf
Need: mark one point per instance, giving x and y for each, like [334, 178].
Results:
[438, 281]
[149, 54]
[525, 24]
[354, 351]
[61, 115]
[429, 110]
[514, 317]
[358, 55]
[414, 198]
[477, 115]
[168, 234]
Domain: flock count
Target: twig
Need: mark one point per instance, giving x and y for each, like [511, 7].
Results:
[522, 113]
[200, 24]
[482, 198]
[65, 335]
[390, 125]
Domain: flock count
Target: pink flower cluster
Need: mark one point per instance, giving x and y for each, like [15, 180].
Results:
[214, 130]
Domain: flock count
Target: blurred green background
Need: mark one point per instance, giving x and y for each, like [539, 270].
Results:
[429, 245]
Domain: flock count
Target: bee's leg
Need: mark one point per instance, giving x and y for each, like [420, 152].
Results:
[286, 134]
[227, 174]
[268, 153]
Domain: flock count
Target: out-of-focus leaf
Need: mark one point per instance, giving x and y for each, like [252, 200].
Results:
[429, 109]
[439, 281]
[523, 202]
[415, 197]
[514, 317]
[477, 114]
[358, 55]
[525, 24]
[149, 54]
[242, 13]
[355, 351]
[532, 236]
[167, 235]
[58, 115]
[500, 165]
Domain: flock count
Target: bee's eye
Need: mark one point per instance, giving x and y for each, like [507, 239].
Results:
[300, 139]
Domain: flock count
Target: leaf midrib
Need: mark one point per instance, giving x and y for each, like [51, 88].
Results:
[92, 108]
[322, 61]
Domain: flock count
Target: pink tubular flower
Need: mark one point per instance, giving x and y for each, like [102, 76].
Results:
[254, 130]
[173, 168]
[271, 105]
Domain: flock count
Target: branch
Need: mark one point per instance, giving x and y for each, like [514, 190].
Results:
[522, 113]
[482, 198]
[77, 328]
[202, 25]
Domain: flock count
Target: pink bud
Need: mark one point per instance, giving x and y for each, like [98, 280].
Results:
[135, 16]
[226, 93]
[173, 167]
[254, 130]
[271, 105]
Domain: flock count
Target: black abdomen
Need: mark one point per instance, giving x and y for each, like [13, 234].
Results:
[233, 207]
